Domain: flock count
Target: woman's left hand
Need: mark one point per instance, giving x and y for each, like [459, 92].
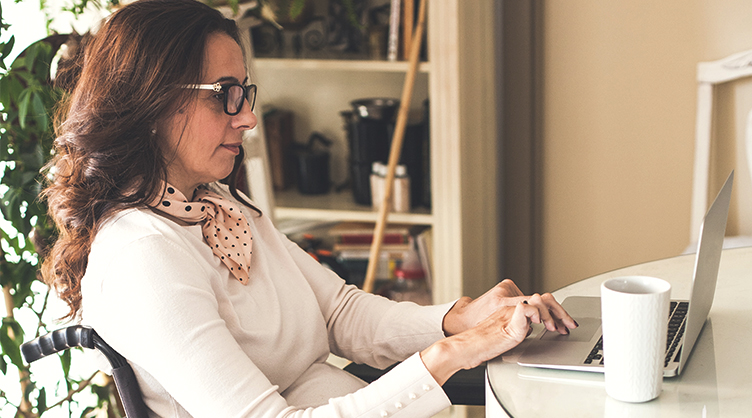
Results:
[467, 312]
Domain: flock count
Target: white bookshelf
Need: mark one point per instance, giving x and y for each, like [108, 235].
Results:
[459, 80]
[339, 206]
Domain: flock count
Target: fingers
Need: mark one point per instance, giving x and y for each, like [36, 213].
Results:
[518, 327]
[467, 312]
[509, 325]
[504, 329]
[560, 315]
[544, 315]
[524, 314]
[551, 313]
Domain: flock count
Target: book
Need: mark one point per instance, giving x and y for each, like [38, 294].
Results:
[362, 233]
[394, 29]
[364, 250]
[414, 240]
[291, 226]
[424, 244]
[408, 25]
[278, 125]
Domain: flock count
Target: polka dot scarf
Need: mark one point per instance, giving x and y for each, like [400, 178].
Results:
[225, 228]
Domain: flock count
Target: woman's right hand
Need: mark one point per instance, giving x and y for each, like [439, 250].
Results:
[467, 313]
[501, 331]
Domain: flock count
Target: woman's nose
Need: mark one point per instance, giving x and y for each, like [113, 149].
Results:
[246, 119]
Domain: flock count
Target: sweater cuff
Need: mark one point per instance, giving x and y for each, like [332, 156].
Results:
[422, 396]
[444, 309]
[436, 313]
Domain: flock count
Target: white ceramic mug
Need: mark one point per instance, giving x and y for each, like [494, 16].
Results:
[634, 312]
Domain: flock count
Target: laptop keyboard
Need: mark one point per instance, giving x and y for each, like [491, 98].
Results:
[677, 315]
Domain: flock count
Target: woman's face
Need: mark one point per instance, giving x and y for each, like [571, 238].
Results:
[201, 139]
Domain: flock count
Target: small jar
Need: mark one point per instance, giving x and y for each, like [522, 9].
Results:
[378, 177]
[401, 190]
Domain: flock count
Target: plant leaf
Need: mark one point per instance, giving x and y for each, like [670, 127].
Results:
[9, 345]
[5, 91]
[42, 401]
[65, 361]
[7, 48]
[23, 107]
[31, 55]
[40, 113]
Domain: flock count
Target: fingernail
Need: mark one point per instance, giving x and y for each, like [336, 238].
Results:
[576, 324]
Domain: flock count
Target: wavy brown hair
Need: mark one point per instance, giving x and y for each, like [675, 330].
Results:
[107, 157]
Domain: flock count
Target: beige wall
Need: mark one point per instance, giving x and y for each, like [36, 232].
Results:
[618, 112]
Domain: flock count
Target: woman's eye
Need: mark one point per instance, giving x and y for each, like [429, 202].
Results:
[219, 96]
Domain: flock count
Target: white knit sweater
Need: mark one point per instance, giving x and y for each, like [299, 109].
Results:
[204, 345]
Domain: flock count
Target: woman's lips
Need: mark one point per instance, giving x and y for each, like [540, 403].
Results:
[234, 148]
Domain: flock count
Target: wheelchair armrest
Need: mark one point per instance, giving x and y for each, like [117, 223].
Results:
[65, 338]
[56, 341]
[82, 336]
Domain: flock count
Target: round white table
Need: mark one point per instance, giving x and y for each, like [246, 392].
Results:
[717, 380]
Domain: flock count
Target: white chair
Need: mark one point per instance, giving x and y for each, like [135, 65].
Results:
[709, 74]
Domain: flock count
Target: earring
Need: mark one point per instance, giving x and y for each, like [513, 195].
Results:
[154, 131]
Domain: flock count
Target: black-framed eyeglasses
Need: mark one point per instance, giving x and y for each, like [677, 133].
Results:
[234, 95]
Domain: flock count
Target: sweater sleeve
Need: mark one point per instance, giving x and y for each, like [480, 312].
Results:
[151, 301]
[362, 327]
[368, 328]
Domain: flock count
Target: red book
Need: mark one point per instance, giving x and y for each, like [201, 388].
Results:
[362, 233]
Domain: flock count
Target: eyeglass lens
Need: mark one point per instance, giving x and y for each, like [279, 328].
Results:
[235, 96]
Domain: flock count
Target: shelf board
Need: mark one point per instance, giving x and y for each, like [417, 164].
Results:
[340, 207]
[337, 65]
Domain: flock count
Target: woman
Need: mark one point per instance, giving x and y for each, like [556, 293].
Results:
[218, 313]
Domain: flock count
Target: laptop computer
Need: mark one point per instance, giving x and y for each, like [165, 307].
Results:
[582, 349]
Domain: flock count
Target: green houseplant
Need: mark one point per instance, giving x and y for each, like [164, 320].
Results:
[27, 101]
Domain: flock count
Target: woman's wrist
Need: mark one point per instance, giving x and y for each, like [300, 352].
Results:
[440, 360]
[454, 322]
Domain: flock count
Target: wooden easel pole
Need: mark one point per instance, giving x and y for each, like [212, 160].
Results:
[396, 149]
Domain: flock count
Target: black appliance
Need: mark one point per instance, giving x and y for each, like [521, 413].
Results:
[370, 127]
